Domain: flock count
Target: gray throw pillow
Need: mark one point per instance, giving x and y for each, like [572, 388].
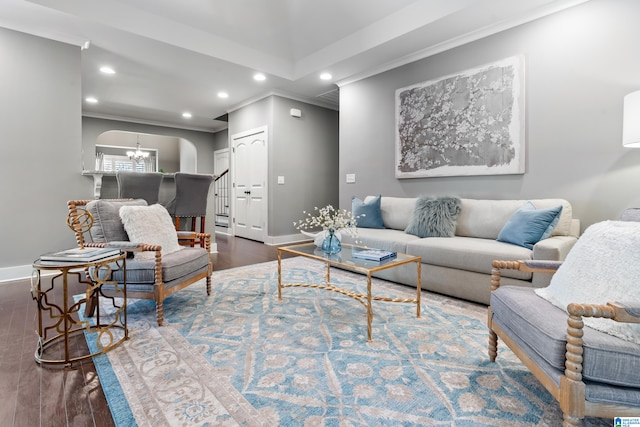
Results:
[434, 217]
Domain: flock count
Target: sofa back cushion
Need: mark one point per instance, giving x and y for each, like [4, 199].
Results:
[107, 226]
[478, 218]
[564, 223]
[396, 211]
[486, 218]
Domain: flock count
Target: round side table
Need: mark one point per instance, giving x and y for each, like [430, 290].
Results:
[65, 320]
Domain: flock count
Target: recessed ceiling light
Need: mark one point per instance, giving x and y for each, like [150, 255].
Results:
[325, 76]
[223, 95]
[259, 77]
[186, 115]
[91, 100]
[107, 70]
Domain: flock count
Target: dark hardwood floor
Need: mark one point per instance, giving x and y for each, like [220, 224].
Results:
[31, 395]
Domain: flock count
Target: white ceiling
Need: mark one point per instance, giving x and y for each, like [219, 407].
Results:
[173, 56]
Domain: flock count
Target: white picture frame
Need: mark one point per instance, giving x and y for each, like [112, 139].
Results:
[469, 123]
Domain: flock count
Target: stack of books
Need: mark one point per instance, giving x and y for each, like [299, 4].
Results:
[78, 255]
[373, 254]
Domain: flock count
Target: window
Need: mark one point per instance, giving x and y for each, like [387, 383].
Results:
[112, 163]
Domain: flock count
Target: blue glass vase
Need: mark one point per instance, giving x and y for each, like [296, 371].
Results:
[331, 244]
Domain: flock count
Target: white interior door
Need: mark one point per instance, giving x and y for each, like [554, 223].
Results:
[249, 160]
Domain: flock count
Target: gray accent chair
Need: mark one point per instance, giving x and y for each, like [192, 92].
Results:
[190, 201]
[589, 373]
[139, 185]
[153, 279]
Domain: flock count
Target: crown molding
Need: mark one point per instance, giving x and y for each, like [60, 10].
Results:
[284, 94]
[481, 33]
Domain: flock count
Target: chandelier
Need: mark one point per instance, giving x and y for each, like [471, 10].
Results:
[138, 155]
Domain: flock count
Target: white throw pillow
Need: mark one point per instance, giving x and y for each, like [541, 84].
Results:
[151, 225]
[601, 267]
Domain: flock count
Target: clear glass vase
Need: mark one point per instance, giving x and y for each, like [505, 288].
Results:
[331, 244]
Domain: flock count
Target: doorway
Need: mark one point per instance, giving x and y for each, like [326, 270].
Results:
[249, 159]
[221, 189]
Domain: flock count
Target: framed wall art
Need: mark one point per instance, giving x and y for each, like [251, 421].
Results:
[470, 123]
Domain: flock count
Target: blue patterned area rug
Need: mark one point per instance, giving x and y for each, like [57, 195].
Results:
[241, 357]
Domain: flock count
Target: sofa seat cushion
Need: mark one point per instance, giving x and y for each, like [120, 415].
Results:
[471, 254]
[174, 266]
[543, 326]
[386, 239]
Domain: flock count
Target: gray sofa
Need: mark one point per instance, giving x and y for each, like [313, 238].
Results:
[460, 266]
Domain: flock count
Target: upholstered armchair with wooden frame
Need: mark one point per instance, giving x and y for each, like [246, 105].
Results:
[156, 278]
[589, 371]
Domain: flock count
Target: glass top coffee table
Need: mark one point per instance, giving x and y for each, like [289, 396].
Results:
[344, 259]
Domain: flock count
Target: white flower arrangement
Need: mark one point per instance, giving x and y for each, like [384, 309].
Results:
[329, 219]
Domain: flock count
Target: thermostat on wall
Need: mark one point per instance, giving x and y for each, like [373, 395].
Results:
[295, 112]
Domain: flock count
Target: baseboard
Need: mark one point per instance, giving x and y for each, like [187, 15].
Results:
[18, 272]
[223, 230]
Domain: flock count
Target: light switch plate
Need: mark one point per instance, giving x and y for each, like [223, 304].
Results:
[351, 178]
[280, 180]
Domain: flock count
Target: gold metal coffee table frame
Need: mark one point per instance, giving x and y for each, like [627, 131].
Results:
[345, 260]
[64, 324]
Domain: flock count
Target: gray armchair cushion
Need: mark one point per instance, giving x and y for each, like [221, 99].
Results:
[107, 225]
[175, 265]
[543, 326]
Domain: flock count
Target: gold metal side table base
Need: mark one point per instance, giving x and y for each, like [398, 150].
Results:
[63, 321]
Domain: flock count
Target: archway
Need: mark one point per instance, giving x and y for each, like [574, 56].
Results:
[172, 154]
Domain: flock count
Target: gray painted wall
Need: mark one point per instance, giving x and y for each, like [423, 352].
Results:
[40, 131]
[579, 65]
[303, 150]
[221, 140]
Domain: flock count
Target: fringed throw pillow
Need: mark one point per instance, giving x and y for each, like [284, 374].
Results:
[434, 217]
[151, 225]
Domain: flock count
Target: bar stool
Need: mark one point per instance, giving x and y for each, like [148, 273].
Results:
[192, 191]
[139, 185]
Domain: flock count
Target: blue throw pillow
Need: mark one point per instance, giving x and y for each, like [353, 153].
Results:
[368, 215]
[528, 225]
